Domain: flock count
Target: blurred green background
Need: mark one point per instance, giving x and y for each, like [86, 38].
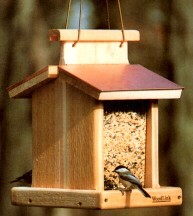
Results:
[166, 47]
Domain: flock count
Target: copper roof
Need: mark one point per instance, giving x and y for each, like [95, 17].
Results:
[103, 82]
[116, 78]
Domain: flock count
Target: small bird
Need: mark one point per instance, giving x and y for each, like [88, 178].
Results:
[26, 178]
[129, 180]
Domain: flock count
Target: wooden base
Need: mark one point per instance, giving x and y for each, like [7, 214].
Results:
[92, 199]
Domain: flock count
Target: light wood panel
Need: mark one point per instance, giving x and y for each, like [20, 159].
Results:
[93, 53]
[84, 122]
[152, 149]
[48, 132]
[67, 138]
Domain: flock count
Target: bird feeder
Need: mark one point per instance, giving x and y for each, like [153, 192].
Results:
[90, 113]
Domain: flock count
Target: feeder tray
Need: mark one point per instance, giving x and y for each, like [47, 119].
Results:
[90, 113]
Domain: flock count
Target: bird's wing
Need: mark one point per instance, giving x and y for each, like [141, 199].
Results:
[25, 177]
[135, 181]
[29, 173]
[131, 178]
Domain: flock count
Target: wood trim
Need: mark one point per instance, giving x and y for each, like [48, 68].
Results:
[93, 35]
[25, 87]
[139, 95]
[92, 199]
[152, 149]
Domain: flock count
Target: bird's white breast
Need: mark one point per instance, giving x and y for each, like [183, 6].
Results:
[125, 183]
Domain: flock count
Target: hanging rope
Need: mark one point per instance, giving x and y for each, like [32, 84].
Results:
[79, 25]
[122, 25]
[108, 15]
[68, 14]
[108, 20]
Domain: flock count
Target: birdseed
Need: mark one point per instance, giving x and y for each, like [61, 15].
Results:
[124, 139]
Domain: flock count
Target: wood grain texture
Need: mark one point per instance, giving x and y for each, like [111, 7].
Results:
[92, 199]
[84, 120]
[48, 132]
[93, 35]
[152, 149]
[67, 138]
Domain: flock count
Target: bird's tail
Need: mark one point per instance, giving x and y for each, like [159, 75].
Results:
[144, 192]
[16, 180]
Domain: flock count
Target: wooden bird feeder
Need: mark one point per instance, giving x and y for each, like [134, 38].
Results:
[90, 113]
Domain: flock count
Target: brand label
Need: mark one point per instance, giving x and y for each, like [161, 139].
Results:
[162, 198]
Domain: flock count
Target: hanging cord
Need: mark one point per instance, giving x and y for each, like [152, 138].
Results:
[108, 14]
[68, 14]
[79, 25]
[122, 25]
[108, 20]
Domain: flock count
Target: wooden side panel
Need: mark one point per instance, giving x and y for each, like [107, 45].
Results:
[152, 161]
[67, 138]
[84, 117]
[48, 108]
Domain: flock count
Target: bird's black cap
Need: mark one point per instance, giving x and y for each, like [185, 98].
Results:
[119, 167]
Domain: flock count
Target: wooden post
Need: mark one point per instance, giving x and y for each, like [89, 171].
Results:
[151, 163]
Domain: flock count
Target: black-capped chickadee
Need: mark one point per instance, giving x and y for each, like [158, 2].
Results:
[26, 178]
[129, 180]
